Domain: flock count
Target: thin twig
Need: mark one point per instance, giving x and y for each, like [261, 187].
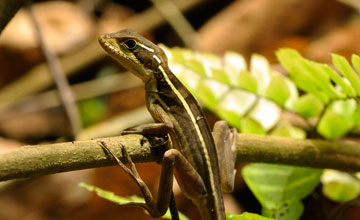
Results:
[116, 125]
[84, 90]
[8, 9]
[37, 78]
[176, 19]
[58, 76]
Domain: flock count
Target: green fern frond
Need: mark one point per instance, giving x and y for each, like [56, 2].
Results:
[339, 92]
[227, 87]
[252, 98]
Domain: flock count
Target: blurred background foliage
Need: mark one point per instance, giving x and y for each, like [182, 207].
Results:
[238, 73]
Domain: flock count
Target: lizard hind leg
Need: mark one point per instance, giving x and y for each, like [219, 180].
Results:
[188, 178]
[155, 209]
[225, 142]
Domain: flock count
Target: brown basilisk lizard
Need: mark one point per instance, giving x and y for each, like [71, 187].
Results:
[204, 163]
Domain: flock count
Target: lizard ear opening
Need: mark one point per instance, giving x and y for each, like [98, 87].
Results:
[130, 44]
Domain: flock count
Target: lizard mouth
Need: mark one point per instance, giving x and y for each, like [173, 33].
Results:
[112, 46]
[109, 44]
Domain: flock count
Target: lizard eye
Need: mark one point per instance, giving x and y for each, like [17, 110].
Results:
[130, 44]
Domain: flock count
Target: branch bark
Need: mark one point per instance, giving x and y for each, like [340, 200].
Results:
[37, 160]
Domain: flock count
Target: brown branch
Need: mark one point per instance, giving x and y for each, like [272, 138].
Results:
[341, 155]
[36, 160]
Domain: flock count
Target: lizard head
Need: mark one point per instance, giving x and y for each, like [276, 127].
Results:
[134, 52]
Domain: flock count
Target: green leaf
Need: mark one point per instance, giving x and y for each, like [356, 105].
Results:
[308, 106]
[245, 216]
[302, 74]
[299, 68]
[91, 110]
[110, 196]
[346, 70]
[308, 84]
[197, 67]
[231, 116]
[220, 75]
[355, 60]
[246, 81]
[234, 63]
[312, 70]
[340, 186]
[344, 108]
[233, 105]
[333, 125]
[319, 75]
[260, 70]
[357, 115]
[279, 187]
[287, 211]
[167, 215]
[237, 101]
[266, 113]
[208, 60]
[306, 71]
[338, 119]
[334, 76]
[293, 92]
[286, 56]
[286, 129]
[278, 90]
[209, 92]
[251, 126]
[177, 55]
[189, 78]
[206, 96]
